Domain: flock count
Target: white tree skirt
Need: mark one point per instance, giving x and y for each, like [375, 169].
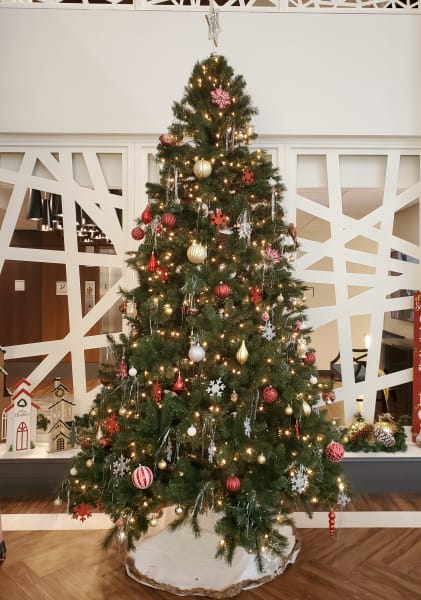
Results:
[178, 562]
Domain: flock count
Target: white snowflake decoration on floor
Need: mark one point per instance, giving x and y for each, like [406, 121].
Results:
[299, 480]
[121, 466]
[268, 331]
[216, 387]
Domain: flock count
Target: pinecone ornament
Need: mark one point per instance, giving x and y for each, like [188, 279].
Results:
[384, 436]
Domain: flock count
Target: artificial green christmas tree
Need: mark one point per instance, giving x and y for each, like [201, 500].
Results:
[213, 401]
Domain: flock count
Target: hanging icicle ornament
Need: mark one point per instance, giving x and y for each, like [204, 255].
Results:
[153, 263]
[244, 226]
[299, 479]
[197, 253]
[272, 201]
[202, 168]
[242, 354]
[247, 426]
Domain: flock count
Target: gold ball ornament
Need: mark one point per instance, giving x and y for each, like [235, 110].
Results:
[162, 464]
[242, 354]
[234, 396]
[153, 522]
[202, 168]
[89, 463]
[288, 410]
[168, 309]
[261, 459]
[197, 253]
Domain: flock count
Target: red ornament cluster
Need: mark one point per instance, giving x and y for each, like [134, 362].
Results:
[309, 358]
[256, 294]
[331, 523]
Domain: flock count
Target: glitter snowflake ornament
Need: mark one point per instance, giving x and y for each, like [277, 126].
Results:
[343, 499]
[220, 97]
[216, 387]
[299, 479]
[268, 331]
[121, 466]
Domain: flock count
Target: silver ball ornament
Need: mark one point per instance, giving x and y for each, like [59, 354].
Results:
[132, 371]
[196, 353]
[191, 431]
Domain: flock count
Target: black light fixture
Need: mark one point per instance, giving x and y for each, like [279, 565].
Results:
[34, 206]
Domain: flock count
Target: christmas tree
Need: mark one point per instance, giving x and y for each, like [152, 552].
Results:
[213, 399]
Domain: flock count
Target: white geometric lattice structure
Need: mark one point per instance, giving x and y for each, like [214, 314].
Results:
[356, 210]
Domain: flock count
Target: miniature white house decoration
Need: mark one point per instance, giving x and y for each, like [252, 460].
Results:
[61, 420]
[21, 419]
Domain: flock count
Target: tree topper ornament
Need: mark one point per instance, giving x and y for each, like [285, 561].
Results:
[213, 23]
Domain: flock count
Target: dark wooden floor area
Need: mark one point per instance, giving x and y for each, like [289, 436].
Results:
[356, 564]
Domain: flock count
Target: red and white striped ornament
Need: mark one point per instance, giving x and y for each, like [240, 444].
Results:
[142, 477]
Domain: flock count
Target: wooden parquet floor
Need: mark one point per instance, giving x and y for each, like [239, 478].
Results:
[356, 564]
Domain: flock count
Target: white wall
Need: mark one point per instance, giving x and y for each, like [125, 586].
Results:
[118, 71]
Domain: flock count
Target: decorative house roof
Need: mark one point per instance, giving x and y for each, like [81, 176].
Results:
[60, 423]
[19, 395]
[61, 400]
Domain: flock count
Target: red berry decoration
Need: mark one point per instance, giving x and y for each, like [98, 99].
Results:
[146, 215]
[335, 451]
[309, 358]
[142, 477]
[232, 484]
[269, 394]
[168, 220]
[331, 523]
[256, 294]
[153, 263]
[138, 233]
[222, 291]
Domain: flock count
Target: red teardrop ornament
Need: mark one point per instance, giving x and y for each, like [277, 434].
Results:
[179, 384]
[153, 263]
[146, 215]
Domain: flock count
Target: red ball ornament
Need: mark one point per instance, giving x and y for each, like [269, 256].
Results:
[168, 220]
[138, 233]
[328, 397]
[269, 394]
[309, 358]
[232, 484]
[105, 442]
[146, 215]
[142, 477]
[222, 291]
[179, 384]
[166, 140]
[153, 263]
[335, 451]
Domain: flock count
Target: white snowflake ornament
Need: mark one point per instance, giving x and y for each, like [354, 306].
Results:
[299, 480]
[343, 499]
[121, 466]
[216, 387]
[268, 331]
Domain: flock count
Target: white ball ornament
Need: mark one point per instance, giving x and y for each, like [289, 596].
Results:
[153, 522]
[261, 459]
[57, 501]
[313, 380]
[191, 431]
[202, 168]
[178, 510]
[196, 353]
[122, 411]
[197, 253]
[73, 471]
[288, 410]
[132, 371]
